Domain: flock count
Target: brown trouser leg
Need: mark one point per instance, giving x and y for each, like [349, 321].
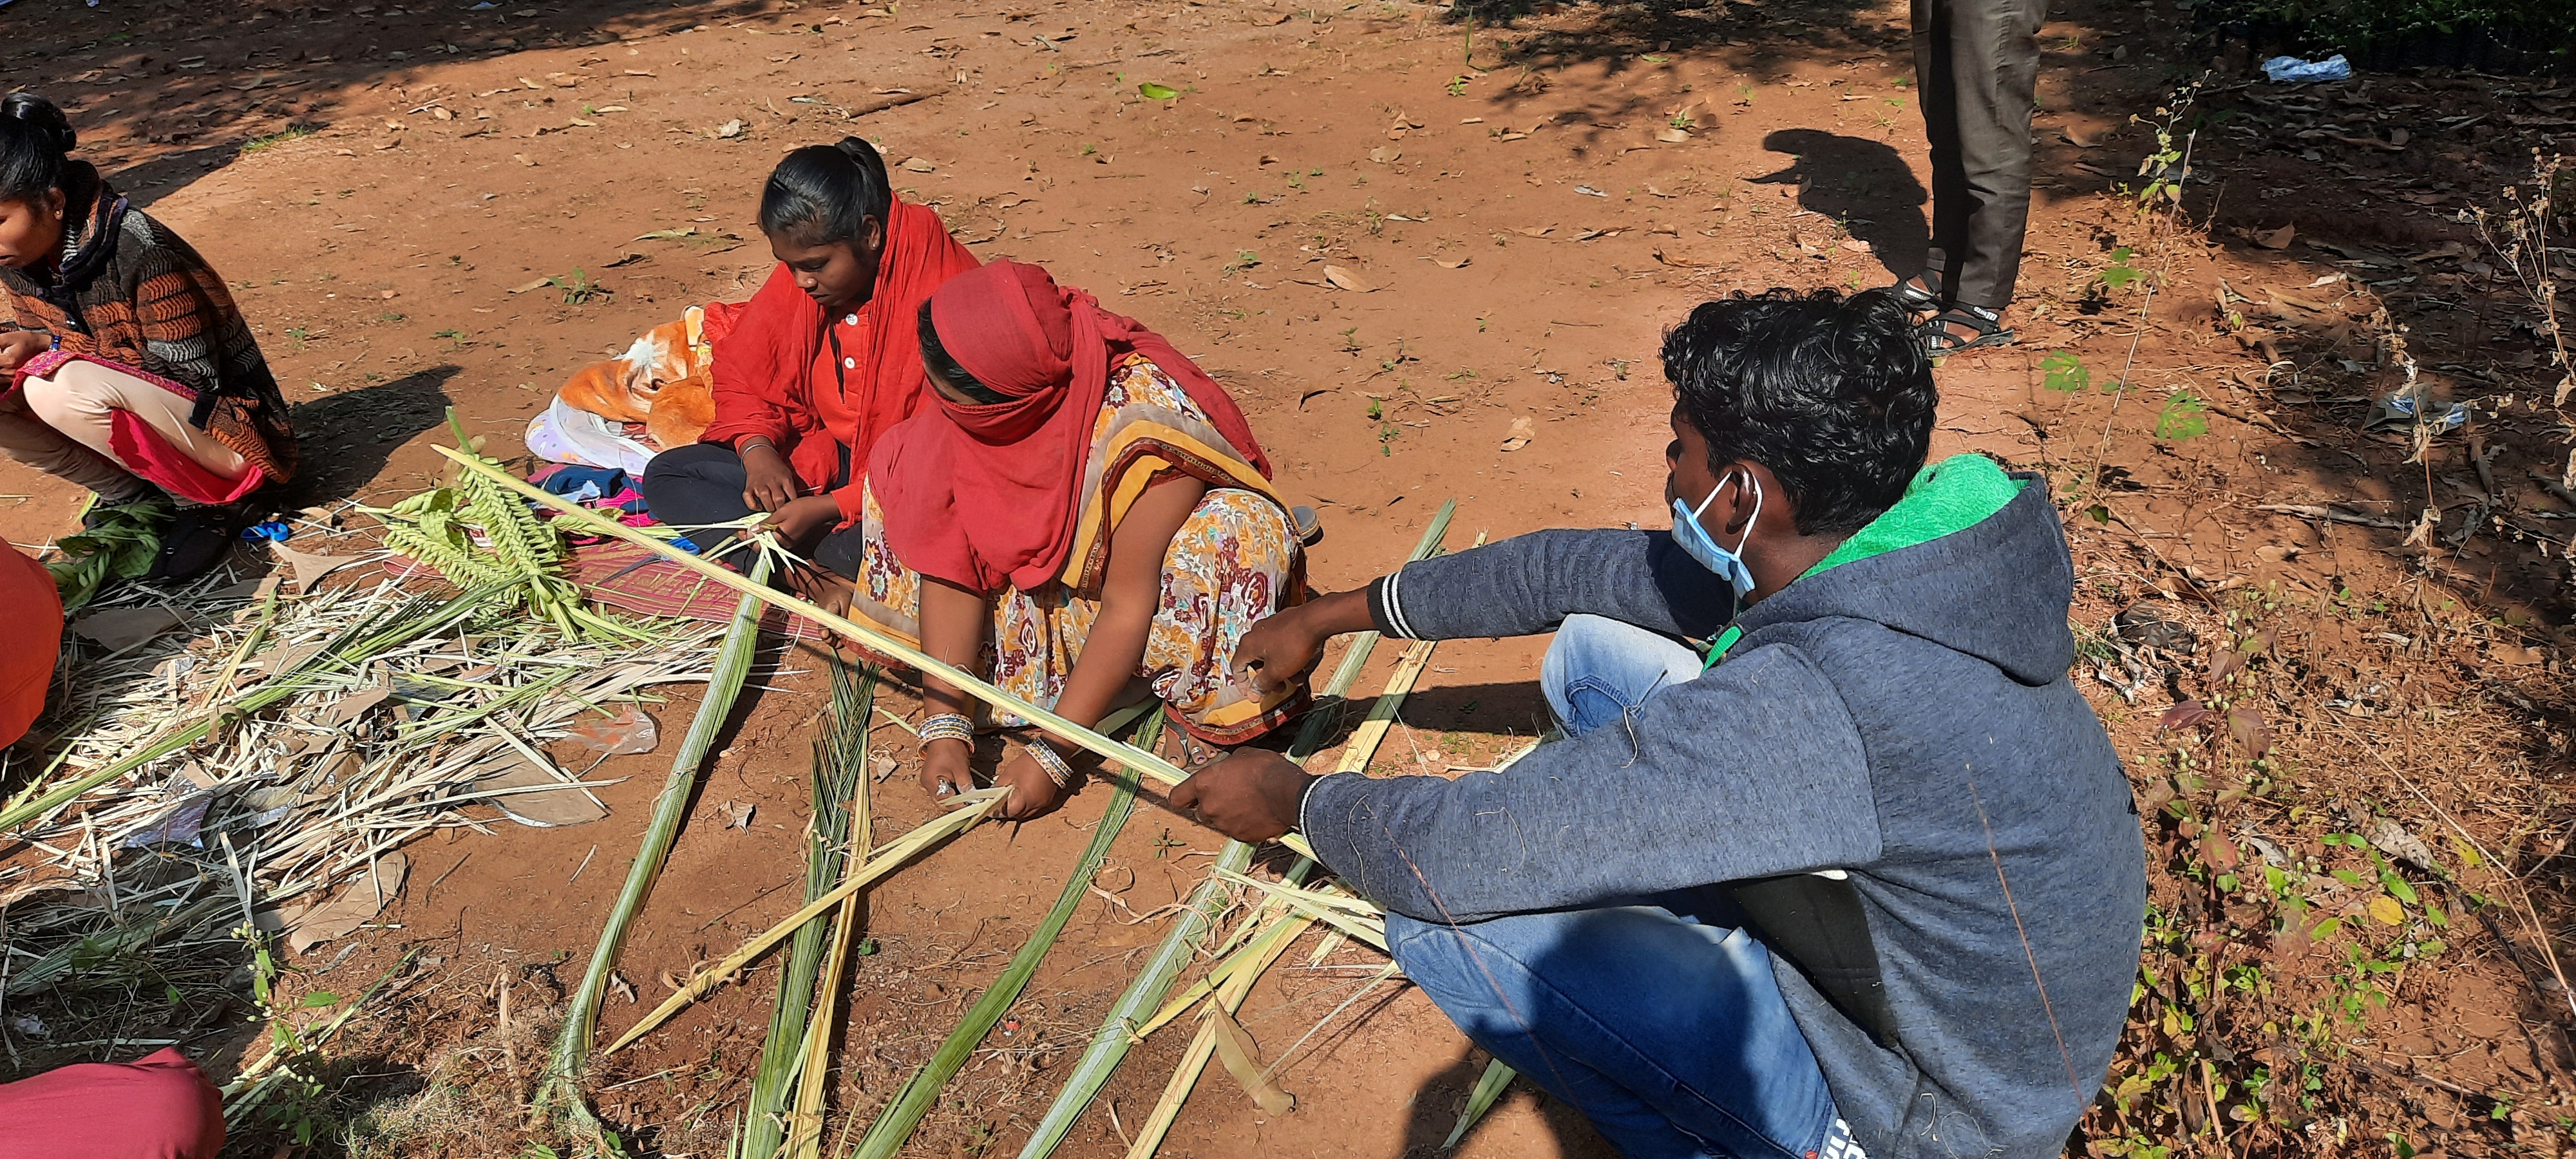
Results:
[1976, 66]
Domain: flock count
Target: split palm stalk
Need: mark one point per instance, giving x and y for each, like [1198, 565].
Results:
[581, 1021]
[1110, 1043]
[840, 762]
[887, 1135]
[805, 1124]
[968, 808]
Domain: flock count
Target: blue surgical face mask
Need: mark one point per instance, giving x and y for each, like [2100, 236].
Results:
[1696, 541]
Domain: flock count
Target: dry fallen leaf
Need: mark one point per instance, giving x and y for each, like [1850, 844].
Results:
[539, 284]
[1671, 135]
[2276, 553]
[1346, 280]
[1383, 155]
[1537, 231]
[1520, 434]
[1448, 264]
[122, 628]
[2278, 239]
[2517, 657]
[544, 803]
[309, 568]
[918, 165]
[736, 814]
[2386, 909]
[2082, 137]
[729, 129]
[618, 985]
[357, 903]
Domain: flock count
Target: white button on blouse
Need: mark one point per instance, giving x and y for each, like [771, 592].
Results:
[850, 363]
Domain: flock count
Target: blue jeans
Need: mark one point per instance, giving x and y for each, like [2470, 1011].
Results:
[1659, 1020]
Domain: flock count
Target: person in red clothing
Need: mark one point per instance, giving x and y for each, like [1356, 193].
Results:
[26, 652]
[820, 363]
[160, 1107]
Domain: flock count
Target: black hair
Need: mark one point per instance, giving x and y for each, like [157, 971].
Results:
[826, 193]
[1833, 394]
[942, 365]
[34, 140]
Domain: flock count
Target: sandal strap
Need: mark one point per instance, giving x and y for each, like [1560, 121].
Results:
[1938, 340]
[1924, 297]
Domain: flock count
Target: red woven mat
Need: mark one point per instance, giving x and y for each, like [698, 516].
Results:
[660, 587]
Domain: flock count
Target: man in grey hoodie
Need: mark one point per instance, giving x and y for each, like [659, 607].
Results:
[1866, 877]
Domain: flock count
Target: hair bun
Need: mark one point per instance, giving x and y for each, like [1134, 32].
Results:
[52, 129]
[860, 151]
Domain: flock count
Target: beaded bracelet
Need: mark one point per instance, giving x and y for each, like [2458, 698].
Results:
[948, 726]
[1057, 768]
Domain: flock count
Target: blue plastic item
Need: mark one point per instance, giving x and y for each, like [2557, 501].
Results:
[2291, 68]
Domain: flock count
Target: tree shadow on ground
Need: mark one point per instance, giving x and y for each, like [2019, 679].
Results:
[1863, 184]
[163, 93]
[346, 437]
[1440, 1099]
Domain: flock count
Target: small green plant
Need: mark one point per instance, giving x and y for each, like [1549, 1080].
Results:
[1088, 150]
[2119, 274]
[1154, 92]
[296, 336]
[280, 137]
[2064, 373]
[577, 287]
[1681, 119]
[2184, 417]
[1350, 341]
[1375, 410]
[390, 316]
[1458, 85]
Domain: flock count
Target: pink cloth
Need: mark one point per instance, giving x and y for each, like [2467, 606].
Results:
[160, 1107]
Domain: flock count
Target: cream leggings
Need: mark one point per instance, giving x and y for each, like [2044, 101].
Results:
[60, 426]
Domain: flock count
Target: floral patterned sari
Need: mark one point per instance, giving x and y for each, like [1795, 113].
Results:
[1234, 561]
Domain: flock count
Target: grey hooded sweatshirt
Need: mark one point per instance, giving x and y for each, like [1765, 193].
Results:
[1901, 714]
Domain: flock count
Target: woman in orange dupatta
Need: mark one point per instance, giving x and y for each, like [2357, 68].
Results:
[819, 364]
[1083, 518]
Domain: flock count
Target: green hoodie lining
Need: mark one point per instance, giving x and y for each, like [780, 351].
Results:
[1947, 497]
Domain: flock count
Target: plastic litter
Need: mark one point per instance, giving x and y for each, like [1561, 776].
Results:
[623, 732]
[268, 529]
[2291, 68]
[2397, 412]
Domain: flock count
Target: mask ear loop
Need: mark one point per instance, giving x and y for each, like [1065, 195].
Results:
[1747, 537]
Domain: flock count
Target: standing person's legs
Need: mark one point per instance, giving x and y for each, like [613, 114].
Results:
[1598, 670]
[1976, 65]
[1668, 1033]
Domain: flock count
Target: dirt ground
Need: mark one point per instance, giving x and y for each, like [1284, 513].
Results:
[1517, 208]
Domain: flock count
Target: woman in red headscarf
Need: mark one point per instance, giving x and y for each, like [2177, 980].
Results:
[1084, 518]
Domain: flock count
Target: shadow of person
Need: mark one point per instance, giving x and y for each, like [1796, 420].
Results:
[1864, 184]
[346, 437]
